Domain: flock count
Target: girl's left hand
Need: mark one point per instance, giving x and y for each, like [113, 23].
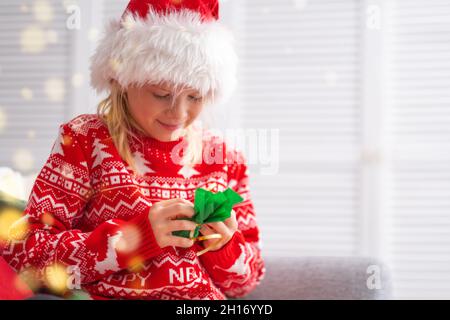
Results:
[225, 228]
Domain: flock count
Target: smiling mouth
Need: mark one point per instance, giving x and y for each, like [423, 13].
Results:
[170, 126]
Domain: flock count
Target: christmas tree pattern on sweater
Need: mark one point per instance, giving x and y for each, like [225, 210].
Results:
[86, 199]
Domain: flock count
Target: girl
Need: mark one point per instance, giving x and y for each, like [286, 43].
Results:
[103, 208]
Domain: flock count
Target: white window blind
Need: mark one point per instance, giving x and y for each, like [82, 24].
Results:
[418, 97]
[34, 74]
[301, 73]
[113, 8]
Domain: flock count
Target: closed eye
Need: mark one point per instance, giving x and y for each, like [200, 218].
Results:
[195, 98]
[161, 97]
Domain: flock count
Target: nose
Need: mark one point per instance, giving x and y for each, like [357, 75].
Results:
[178, 109]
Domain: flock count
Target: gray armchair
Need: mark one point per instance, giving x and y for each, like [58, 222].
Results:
[318, 278]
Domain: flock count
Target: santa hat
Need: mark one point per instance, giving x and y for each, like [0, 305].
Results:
[175, 41]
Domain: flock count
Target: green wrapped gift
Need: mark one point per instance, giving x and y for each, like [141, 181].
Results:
[210, 207]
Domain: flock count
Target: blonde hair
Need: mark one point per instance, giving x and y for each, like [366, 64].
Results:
[114, 111]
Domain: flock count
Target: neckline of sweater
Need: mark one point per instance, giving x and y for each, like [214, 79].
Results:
[154, 143]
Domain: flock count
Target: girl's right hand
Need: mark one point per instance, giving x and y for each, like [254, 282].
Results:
[163, 217]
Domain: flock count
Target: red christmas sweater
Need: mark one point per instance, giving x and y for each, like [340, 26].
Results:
[86, 196]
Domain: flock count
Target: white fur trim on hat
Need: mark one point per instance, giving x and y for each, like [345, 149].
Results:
[176, 47]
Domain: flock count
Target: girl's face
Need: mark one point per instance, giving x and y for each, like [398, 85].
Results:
[160, 113]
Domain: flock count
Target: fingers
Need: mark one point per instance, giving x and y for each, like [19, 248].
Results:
[223, 230]
[163, 217]
[159, 207]
[231, 222]
[219, 227]
[205, 230]
[166, 219]
[170, 202]
[178, 210]
[176, 225]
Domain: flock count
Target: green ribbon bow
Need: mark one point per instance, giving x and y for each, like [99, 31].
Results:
[210, 207]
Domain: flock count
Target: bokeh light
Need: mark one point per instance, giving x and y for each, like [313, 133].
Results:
[130, 240]
[31, 134]
[43, 11]
[93, 34]
[115, 64]
[26, 93]
[128, 23]
[22, 159]
[56, 278]
[52, 36]
[20, 285]
[136, 264]
[19, 229]
[47, 219]
[12, 185]
[24, 8]
[66, 140]
[55, 89]
[33, 39]
[68, 3]
[77, 80]
[8, 218]
[3, 120]
[31, 277]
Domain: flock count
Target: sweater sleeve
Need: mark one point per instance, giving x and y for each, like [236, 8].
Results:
[237, 268]
[46, 236]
